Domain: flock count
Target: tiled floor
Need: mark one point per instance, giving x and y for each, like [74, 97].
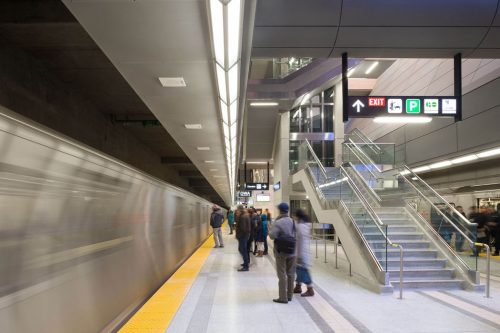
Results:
[224, 300]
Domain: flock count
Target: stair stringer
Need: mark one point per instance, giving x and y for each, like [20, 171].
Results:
[362, 267]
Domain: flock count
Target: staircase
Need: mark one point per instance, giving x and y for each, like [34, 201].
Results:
[382, 216]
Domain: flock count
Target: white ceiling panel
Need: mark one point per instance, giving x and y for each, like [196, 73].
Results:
[430, 13]
[132, 31]
[409, 37]
[147, 39]
[291, 13]
[315, 37]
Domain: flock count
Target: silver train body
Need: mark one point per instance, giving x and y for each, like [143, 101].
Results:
[84, 239]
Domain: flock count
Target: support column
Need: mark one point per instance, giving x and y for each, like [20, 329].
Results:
[281, 161]
[338, 124]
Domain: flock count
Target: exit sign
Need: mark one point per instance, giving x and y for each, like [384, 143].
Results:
[376, 101]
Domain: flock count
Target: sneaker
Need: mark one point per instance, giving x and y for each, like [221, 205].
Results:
[243, 269]
[308, 293]
[277, 300]
[297, 289]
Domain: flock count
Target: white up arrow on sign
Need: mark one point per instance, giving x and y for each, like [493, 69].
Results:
[358, 105]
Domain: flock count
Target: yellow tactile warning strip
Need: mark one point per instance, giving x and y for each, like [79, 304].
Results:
[157, 313]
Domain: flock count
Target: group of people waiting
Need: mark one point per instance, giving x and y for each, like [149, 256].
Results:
[291, 244]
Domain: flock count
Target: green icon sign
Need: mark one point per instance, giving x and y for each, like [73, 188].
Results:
[412, 106]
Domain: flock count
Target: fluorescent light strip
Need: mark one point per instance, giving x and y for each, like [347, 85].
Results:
[217, 16]
[439, 165]
[463, 159]
[221, 82]
[233, 112]
[233, 83]
[264, 104]
[372, 67]
[349, 73]
[488, 153]
[402, 120]
[233, 33]
[203, 148]
[420, 169]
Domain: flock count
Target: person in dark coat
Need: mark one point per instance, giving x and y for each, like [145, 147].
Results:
[243, 230]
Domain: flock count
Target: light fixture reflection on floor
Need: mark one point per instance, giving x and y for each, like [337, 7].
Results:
[402, 120]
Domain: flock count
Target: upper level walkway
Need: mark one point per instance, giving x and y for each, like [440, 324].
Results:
[207, 294]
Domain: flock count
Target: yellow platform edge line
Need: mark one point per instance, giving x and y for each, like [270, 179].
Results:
[157, 313]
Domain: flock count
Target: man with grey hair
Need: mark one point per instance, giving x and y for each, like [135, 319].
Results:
[283, 233]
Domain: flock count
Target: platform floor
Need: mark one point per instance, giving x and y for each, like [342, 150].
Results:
[223, 300]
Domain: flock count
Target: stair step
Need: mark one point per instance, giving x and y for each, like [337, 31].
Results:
[418, 274]
[393, 263]
[392, 228]
[395, 236]
[413, 253]
[430, 284]
[407, 244]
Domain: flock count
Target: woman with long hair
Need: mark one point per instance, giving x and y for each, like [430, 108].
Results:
[303, 254]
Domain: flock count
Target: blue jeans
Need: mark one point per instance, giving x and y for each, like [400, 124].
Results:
[243, 249]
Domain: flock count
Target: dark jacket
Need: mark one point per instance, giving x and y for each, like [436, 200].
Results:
[243, 228]
[216, 219]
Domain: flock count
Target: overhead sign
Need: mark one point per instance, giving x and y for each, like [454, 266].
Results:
[245, 194]
[256, 186]
[277, 186]
[378, 106]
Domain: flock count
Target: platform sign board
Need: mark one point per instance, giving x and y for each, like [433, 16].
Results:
[244, 194]
[256, 186]
[414, 106]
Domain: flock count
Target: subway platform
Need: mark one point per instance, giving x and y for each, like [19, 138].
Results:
[207, 294]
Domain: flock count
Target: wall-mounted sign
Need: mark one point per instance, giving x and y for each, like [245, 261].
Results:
[245, 194]
[256, 186]
[263, 197]
[277, 186]
[387, 106]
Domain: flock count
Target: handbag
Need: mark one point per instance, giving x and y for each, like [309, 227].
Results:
[286, 244]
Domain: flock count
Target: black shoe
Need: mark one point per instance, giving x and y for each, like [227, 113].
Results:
[289, 299]
[221, 246]
[277, 300]
[243, 269]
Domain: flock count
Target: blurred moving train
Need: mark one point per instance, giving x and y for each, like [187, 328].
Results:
[84, 238]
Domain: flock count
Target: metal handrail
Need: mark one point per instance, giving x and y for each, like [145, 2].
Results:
[360, 176]
[322, 168]
[365, 163]
[453, 209]
[367, 158]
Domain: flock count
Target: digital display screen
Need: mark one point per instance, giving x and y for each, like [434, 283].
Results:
[263, 197]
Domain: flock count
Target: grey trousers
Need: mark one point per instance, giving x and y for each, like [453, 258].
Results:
[218, 237]
[285, 268]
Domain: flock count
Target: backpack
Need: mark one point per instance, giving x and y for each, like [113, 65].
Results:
[286, 244]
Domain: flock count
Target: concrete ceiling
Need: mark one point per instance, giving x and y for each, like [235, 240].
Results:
[50, 33]
[382, 28]
[149, 39]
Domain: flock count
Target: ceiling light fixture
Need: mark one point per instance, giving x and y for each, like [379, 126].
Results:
[372, 67]
[257, 162]
[464, 159]
[264, 104]
[193, 126]
[439, 165]
[402, 120]
[226, 22]
[420, 169]
[209, 161]
[349, 73]
[172, 82]
[213, 170]
[488, 153]
[203, 148]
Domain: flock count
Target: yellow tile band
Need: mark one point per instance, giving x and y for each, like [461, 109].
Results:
[157, 313]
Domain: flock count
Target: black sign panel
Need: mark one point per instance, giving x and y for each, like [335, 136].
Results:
[397, 106]
[245, 194]
[256, 186]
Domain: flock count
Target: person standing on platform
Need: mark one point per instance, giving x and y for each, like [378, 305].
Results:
[255, 220]
[283, 233]
[216, 220]
[261, 235]
[230, 221]
[303, 254]
[242, 235]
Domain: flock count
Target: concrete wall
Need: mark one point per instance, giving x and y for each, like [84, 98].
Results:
[281, 161]
[28, 88]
